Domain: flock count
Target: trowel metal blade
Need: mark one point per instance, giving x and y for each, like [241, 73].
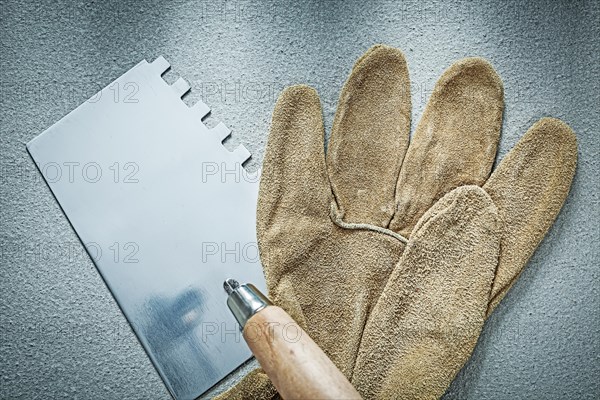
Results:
[166, 213]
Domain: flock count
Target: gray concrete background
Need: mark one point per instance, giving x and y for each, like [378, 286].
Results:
[62, 334]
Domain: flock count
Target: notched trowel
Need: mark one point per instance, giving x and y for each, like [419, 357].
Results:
[166, 213]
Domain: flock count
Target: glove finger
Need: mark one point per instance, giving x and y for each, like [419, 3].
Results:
[370, 135]
[455, 141]
[295, 196]
[429, 316]
[529, 188]
[254, 386]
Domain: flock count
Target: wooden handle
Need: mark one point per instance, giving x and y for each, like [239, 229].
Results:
[295, 364]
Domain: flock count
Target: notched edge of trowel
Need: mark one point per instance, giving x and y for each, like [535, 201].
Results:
[220, 132]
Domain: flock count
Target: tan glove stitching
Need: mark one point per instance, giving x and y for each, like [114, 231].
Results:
[336, 217]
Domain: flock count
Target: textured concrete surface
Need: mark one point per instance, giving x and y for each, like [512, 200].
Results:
[62, 334]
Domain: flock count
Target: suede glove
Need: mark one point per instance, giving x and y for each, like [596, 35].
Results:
[462, 257]
[350, 241]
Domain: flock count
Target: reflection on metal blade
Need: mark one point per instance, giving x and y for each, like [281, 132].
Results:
[167, 214]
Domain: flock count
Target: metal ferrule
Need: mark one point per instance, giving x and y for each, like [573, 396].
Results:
[244, 300]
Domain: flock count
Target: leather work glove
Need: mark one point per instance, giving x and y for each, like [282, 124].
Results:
[462, 257]
[391, 283]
